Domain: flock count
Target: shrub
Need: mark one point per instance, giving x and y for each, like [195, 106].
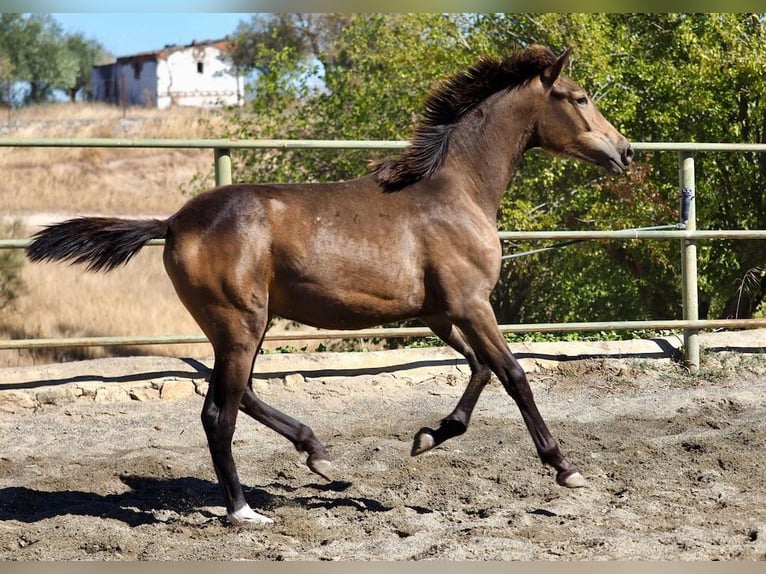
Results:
[11, 264]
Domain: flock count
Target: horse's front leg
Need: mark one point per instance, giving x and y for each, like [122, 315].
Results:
[484, 336]
[456, 423]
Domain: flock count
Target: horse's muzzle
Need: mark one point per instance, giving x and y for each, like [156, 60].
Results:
[627, 155]
[616, 165]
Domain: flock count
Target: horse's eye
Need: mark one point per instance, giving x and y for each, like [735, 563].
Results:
[581, 101]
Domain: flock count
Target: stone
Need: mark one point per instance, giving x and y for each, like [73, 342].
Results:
[14, 401]
[88, 389]
[294, 380]
[58, 395]
[144, 394]
[111, 395]
[201, 387]
[176, 390]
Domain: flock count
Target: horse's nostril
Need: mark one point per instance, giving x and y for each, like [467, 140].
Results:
[627, 155]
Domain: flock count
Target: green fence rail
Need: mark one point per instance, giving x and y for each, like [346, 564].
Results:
[687, 235]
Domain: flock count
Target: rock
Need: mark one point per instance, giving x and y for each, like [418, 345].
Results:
[176, 390]
[260, 385]
[58, 395]
[89, 388]
[111, 395]
[13, 401]
[144, 394]
[294, 380]
[757, 536]
[201, 387]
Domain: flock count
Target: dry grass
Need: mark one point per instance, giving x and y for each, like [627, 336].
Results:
[108, 180]
[56, 183]
[64, 301]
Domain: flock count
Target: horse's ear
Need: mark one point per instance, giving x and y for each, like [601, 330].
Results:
[552, 72]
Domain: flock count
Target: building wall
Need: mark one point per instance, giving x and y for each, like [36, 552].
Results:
[132, 81]
[188, 76]
[196, 76]
[104, 84]
[140, 81]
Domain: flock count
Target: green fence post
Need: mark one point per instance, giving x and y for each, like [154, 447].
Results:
[689, 263]
[222, 166]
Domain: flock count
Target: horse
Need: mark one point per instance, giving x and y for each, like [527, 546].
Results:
[414, 237]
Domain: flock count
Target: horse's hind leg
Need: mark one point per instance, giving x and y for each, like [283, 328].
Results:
[299, 434]
[296, 432]
[231, 374]
[456, 423]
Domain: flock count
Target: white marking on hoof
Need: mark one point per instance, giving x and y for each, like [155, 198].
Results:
[574, 480]
[322, 467]
[247, 516]
[424, 441]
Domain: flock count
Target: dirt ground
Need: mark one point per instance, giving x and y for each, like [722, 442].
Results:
[674, 461]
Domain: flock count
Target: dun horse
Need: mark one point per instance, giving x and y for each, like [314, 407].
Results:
[416, 237]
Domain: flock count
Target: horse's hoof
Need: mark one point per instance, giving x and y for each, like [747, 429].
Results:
[246, 516]
[571, 480]
[322, 467]
[424, 441]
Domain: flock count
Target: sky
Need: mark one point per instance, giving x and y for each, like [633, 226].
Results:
[124, 34]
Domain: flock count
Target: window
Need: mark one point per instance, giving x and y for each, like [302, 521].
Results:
[200, 67]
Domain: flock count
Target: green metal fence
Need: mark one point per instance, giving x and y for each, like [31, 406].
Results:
[687, 235]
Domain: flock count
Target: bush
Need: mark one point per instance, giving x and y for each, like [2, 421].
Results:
[11, 263]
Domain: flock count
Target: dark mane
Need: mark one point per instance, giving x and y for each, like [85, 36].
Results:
[451, 100]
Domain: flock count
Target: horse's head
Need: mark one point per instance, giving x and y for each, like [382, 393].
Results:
[570, 124]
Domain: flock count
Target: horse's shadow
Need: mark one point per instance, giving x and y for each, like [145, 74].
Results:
[149, 496]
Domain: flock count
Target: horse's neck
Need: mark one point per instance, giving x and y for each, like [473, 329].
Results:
[489, 144]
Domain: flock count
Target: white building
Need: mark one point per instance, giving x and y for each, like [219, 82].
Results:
[199, 74]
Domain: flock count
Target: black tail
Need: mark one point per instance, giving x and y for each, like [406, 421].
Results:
[102, 243]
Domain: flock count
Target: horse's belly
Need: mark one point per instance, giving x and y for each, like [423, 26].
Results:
[347, 302]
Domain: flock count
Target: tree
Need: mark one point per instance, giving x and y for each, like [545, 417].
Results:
[702, 79]
[41, 54]
[34, 45]
[87, 53]
[345, 89]
[255, 43]
[6, 77]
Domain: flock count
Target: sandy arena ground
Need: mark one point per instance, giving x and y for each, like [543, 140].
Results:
[107, 460]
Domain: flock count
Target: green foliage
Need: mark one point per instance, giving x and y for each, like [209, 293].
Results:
[36, 50]
[11, 263]
[715, 91]
[255, 43]
[366, 84]
[585, 336]
[87, 53]
[657, 77]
